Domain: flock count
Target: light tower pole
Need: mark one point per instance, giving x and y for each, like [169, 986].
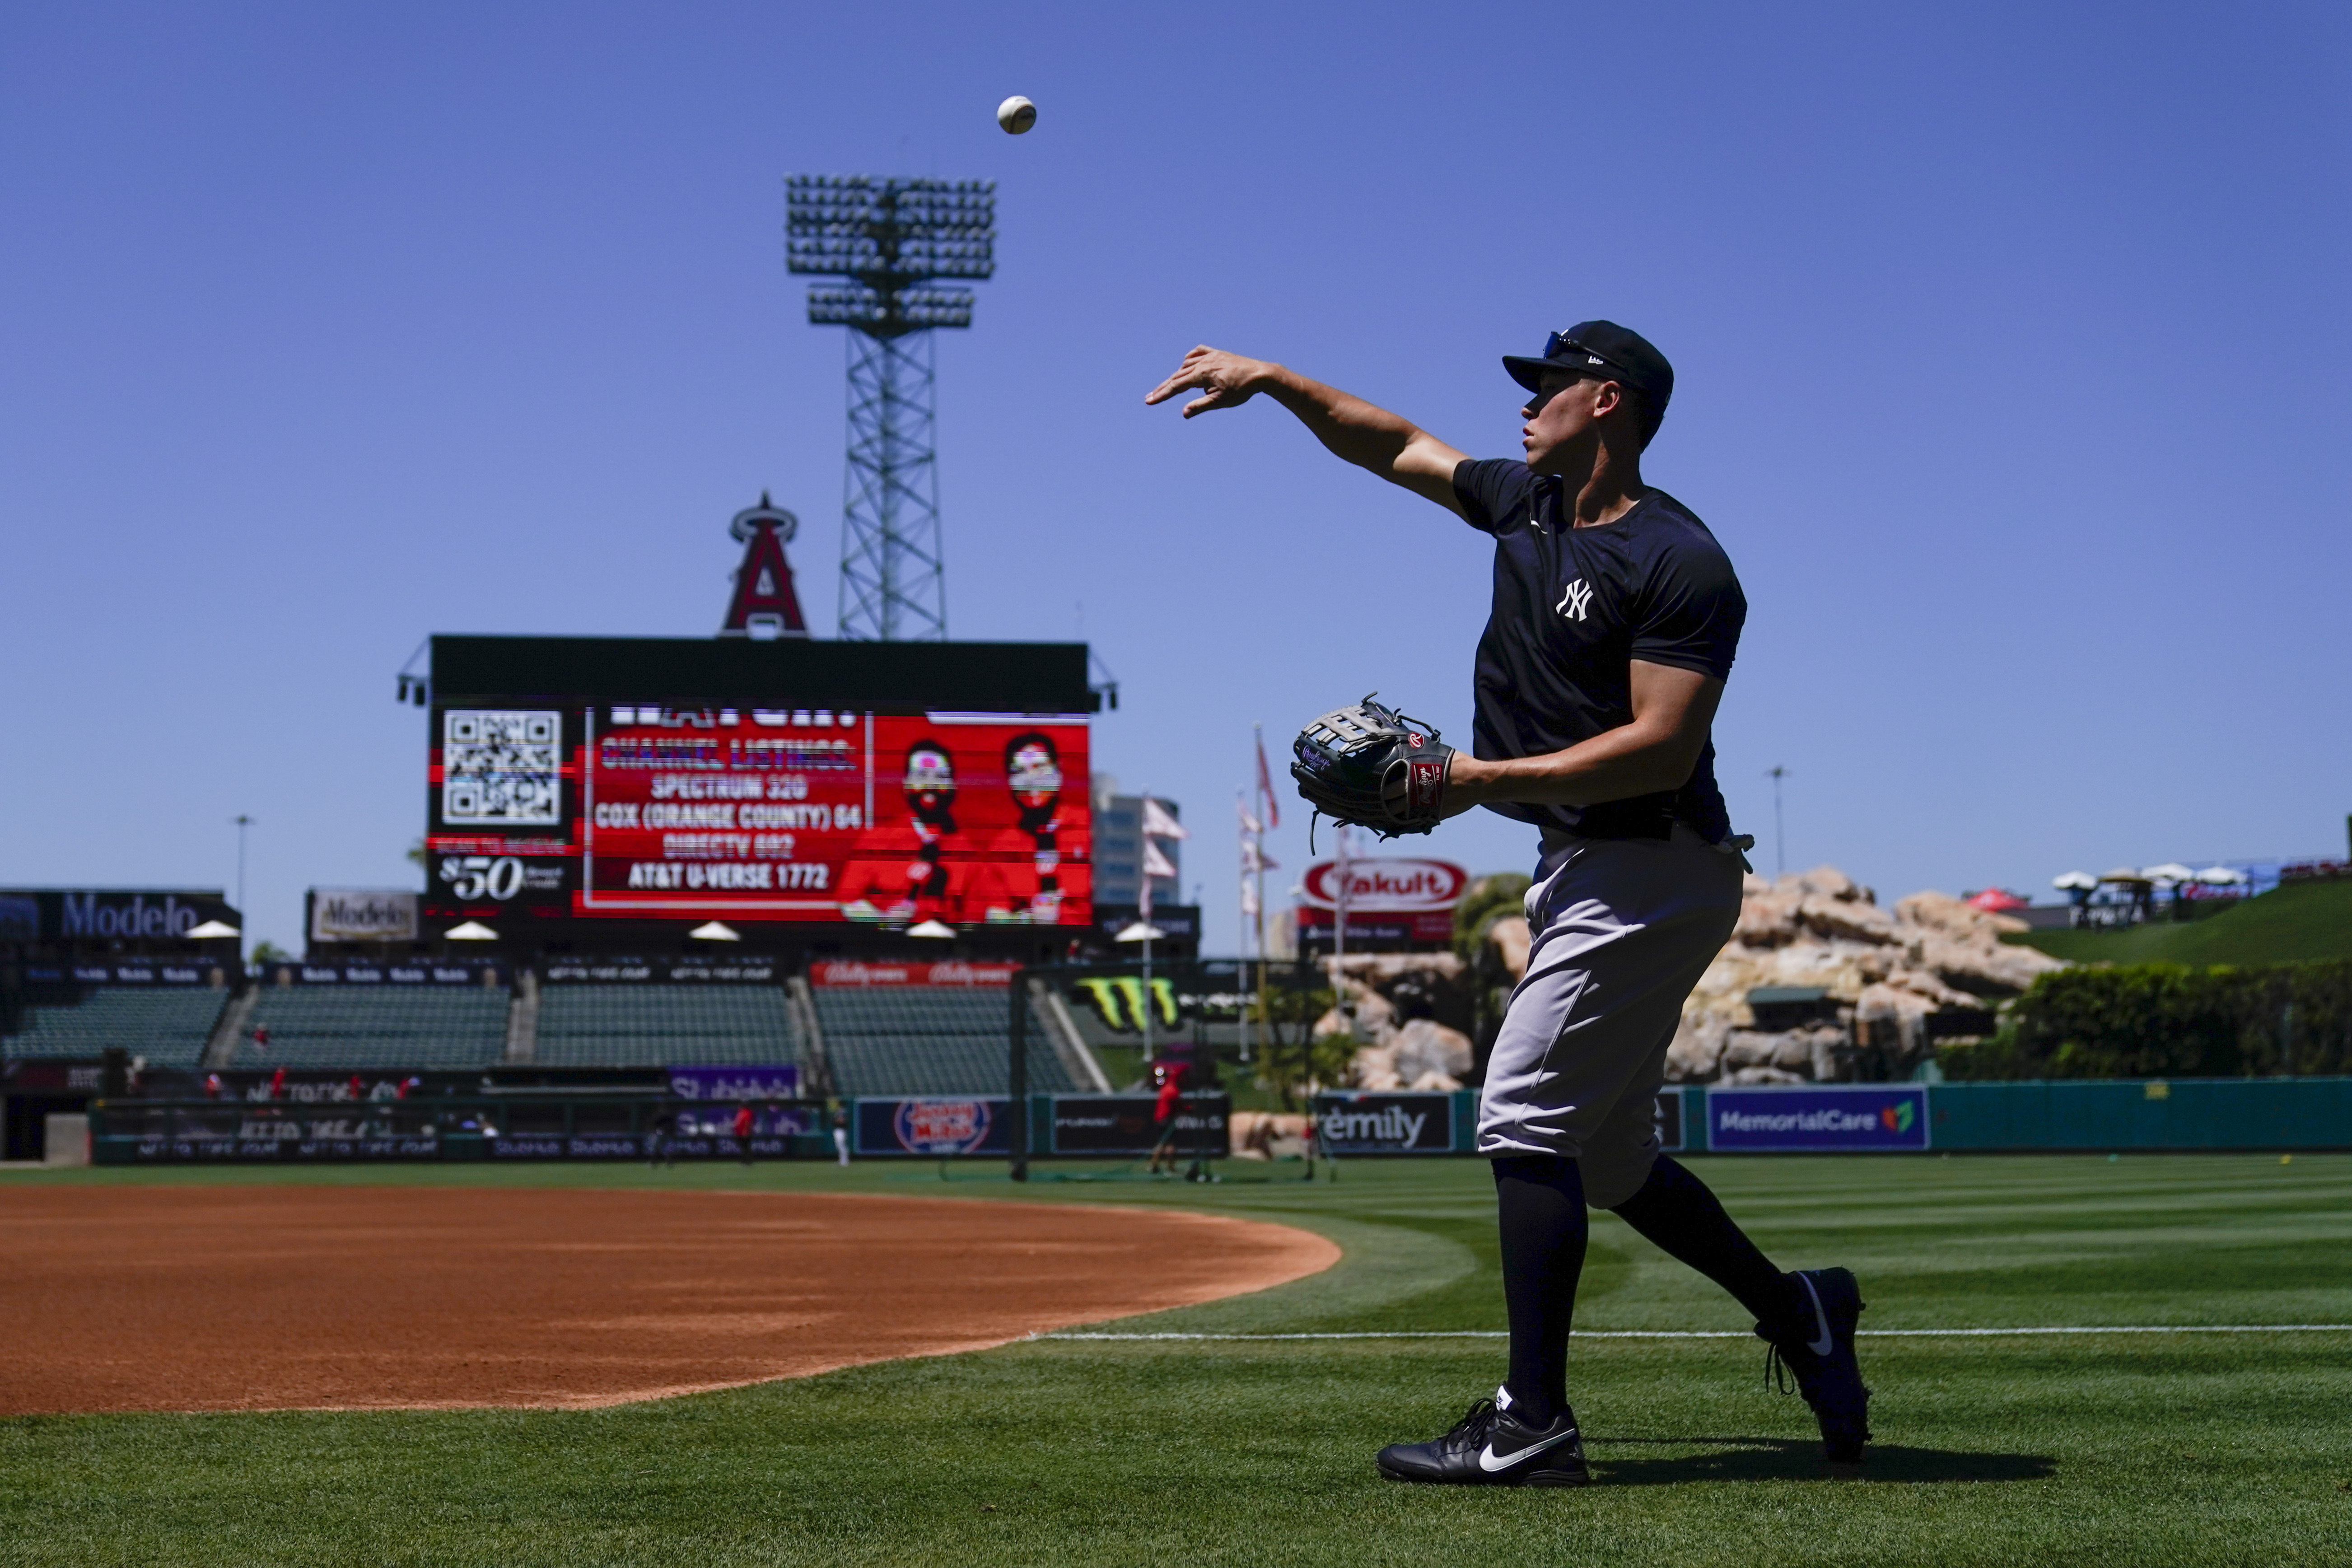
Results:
[887, 239]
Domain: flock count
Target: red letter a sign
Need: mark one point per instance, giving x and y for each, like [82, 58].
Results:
[763, 584]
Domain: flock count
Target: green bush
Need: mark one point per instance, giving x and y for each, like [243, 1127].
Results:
[2167, 1020]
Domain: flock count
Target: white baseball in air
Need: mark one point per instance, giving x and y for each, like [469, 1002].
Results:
[1016, 114]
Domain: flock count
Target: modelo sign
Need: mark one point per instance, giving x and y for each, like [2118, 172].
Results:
[362, 914]
[108, 914]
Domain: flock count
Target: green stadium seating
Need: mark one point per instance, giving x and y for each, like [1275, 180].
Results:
[401, 1027]
[916, 1040]
[167, 1026]
[666, 1025]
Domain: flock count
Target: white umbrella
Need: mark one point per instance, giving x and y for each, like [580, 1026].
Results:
[931, 929]
[2170, 871]
[2123, 874]
[2082, 880]
[1140, 931]
[211, 929]
[711, 930]
[2222, 877]
[472, 931]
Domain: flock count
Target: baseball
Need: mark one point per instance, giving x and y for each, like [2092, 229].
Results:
[1016, 114]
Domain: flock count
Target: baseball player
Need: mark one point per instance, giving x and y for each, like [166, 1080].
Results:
[1614, 621]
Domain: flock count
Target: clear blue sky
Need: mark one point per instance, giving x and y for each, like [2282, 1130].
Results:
[2013, 346]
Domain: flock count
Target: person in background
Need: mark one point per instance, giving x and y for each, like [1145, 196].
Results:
[744, 1121]
[841, 1134]
[1165, 1108]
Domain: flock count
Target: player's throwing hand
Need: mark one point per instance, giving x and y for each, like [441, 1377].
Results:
[1226, 381]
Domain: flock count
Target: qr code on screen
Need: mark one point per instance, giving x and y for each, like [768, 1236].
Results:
[499, 766]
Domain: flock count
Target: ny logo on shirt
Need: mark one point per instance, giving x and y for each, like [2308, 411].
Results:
[1571, 603]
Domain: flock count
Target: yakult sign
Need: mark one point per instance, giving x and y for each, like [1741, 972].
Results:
[1384, 886]
[1389, 898]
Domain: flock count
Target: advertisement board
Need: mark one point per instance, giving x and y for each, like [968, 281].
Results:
[1830, 1118]
[662, 971]
[1358, 1122]
[132, 972]
[110, 914]
[646, 811]
[423, 971]
[933, 1126]
[860, 973]
[1673, 1129]
[362, 914]
[1389, 898]
[736, 1083]
[1112, 1124]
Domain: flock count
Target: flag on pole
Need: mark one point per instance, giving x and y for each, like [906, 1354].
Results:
[1156, 864]
[1255, 859]
[1265, 786]
[1249, 900]
[1158, 823]
[1249, 824]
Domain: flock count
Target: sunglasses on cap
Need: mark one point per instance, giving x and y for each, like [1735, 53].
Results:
[1560, 343]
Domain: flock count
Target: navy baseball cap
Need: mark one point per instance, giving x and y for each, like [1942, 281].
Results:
[1604, 351]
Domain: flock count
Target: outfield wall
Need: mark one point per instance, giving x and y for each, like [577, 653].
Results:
[1895, 1118]
[1890, 1118]
[2156, 1114]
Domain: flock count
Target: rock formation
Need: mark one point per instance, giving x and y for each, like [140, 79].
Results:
[1886, 973]
[1390, 1001]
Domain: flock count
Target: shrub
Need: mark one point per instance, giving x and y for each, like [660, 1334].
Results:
[2167, 1020]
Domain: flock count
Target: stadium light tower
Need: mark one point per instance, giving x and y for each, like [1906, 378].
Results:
[888, 238]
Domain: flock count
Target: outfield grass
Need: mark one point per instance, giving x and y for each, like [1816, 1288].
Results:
[2300, 923]
[2168, 1448]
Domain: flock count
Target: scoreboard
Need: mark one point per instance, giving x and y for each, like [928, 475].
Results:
[602, 803]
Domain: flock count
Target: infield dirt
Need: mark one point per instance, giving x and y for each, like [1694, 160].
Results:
[273, 1298]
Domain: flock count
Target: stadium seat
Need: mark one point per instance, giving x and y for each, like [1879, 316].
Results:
[167, 1026]
[666, 1025]
[916, 1040]
[408, 1026]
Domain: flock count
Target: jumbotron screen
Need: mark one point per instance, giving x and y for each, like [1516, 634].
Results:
[642, 811]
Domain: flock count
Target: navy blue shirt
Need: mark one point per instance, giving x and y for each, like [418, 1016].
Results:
[1574, 608]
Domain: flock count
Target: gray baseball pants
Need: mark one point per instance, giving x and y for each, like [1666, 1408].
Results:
[1622, 929]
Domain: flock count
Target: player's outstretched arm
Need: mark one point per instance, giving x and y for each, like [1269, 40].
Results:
[1372, 439]
[1673, 712]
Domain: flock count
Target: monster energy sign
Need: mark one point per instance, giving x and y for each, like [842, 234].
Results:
[1118, 1000]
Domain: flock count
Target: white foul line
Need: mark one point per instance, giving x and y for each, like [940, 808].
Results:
[1739, 1334]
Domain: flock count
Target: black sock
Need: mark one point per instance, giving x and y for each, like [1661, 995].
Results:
[1541, 1200]
[1675, 1210]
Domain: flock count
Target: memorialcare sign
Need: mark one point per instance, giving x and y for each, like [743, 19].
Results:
[1384, 1123]
[978, 1125]
[1857, 1117]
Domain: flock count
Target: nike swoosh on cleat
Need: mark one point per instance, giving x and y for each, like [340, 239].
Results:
[1489, 1462]
[1823, 1345]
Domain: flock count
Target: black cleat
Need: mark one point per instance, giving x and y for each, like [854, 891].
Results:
[1819, 1355]
[1492, 1447]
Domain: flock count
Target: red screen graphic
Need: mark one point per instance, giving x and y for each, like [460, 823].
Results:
[767, 815]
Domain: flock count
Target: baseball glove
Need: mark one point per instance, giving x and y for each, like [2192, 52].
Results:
[1373, 766]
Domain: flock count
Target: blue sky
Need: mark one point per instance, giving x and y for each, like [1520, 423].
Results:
[2012, 344]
